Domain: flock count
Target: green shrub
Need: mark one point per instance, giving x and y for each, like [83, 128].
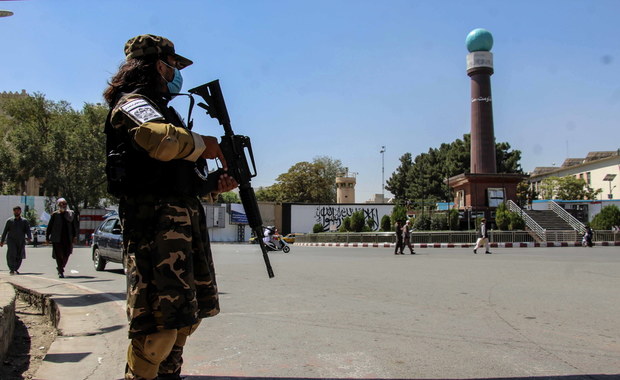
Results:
[399, 212]
[516, 222]
[386, 223]
[346, 225]
[439, 221]
[454, 220]
[317, 228]
[502, 217]
[607, 218]
[370, 223]
[357, 221]
[422, 223]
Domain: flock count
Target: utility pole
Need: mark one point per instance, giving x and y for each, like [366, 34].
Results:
[382, 151]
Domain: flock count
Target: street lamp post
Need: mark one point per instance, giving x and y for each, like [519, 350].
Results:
[382, 151]
[609, 178]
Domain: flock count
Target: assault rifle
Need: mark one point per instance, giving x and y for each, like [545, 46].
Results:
[236, 149]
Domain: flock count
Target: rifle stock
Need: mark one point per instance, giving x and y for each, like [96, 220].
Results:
[237, 150]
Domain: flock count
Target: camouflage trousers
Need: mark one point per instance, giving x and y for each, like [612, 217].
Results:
[170, 273]
[158, 355]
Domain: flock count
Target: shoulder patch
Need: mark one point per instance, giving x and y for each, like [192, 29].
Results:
[141, 110]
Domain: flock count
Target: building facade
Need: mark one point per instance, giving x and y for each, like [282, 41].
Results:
[599, 170]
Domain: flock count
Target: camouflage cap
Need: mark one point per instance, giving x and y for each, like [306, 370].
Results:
[149, 44]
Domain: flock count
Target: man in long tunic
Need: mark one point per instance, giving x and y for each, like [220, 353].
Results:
[16, 230]
[62, 230]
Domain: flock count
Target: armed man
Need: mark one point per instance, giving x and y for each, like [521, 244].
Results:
[155, 166]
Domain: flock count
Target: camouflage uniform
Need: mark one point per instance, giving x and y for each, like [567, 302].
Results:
[171, 282]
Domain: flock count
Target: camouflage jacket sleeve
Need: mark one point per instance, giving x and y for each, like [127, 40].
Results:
[149, 130]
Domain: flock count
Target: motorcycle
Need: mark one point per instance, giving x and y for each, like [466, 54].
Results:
[278, 245]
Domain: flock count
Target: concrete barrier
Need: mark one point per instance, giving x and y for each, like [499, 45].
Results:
[7, 317]
[8, 295]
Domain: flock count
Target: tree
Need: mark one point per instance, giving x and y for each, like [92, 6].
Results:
[386, 223]
[31, 216]
[525, 193]
[370, 223]
[268, 194]
[346, 224]
[439, 222]
[502, 217]
[56, 144]
[305, 182]
[399, 213]
[422, 223]
[453, 219]
[607, 218]
[567, 188]
[228, 197]
[332, 169]
[357, 221]
[516, 222]
[397, 184]
[317, 228]
[424, 178]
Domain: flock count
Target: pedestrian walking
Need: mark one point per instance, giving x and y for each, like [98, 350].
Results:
[483, 237]
[587, 237]
[16, 231]
[398, 250]
[62, 231]
[154, 167]
[407, 238]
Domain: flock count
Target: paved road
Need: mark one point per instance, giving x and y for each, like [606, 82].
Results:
[366, 313]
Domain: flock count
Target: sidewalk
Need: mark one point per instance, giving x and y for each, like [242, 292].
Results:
[92, 330]
[461, 245]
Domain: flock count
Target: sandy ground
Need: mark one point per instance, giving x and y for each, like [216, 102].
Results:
[33, 336]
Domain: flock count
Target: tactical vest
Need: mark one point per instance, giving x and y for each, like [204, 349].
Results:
[130, 170]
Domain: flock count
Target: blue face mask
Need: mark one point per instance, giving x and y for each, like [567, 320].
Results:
[176, 84]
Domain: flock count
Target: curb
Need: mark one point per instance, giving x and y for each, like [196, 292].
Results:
[461, 245]
[92, 338]
[7, 317]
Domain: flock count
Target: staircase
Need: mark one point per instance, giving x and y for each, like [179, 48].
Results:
[549, 220]
[554, 224]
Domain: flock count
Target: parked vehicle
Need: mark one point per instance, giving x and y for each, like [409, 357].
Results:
[107, 243]
[38, 235]
[290, 238]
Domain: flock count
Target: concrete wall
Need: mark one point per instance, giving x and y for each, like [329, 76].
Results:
[330, 216]
[7, 202]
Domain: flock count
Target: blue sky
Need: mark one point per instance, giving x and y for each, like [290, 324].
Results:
[342, 78]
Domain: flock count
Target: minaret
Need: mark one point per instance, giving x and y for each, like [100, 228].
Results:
[480, 68]
[480, 191]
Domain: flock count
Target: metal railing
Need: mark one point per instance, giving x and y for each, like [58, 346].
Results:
[417, 237]
[529, 222]
[568, 218]
[606, 236]
[456, 237]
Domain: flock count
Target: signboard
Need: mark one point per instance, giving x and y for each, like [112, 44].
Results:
[237, 214]
[479, 59]
[495, 196]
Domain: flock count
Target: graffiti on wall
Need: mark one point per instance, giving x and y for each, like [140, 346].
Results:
[331, 217]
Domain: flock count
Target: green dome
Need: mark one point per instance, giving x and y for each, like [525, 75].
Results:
[479, 40]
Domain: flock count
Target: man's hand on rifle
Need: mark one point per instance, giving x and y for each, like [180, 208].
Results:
[213, 151]
[226, 183]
